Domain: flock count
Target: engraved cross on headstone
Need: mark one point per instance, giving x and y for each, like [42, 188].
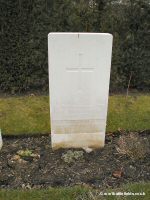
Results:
[80, 67]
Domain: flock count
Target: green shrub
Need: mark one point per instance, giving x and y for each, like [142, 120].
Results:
[24, 26]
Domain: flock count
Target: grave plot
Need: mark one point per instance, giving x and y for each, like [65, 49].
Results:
[29, 162]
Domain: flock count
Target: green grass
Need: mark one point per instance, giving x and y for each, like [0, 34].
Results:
[131, 187]
[137, 187]
[22, 115]
[75, 193]
[49, 194]
[132, 113]
[30, 114]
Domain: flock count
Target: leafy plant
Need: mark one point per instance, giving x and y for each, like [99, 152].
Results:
[23, 51]
[72, 156]
[25, 153]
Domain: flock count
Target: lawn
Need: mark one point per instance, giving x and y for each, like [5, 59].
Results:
[24, 115]
[30, 114]
[76, 193]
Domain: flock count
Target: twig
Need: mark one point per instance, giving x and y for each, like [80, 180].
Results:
[129, 84]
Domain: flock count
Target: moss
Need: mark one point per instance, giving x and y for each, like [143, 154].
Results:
[72, 156]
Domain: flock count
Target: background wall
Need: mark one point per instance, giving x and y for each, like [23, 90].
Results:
[25, 24]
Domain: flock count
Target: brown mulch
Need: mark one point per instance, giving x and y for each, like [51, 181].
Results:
[105, 168]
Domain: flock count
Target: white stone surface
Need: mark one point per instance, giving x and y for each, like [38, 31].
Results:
[79, 73]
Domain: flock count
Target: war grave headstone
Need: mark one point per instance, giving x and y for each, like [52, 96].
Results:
[79, 74]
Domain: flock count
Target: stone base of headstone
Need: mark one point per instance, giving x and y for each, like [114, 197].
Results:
[78, 140]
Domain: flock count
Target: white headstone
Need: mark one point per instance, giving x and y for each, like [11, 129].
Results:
[79, 73]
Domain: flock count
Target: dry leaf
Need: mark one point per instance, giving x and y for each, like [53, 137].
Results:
[118, 173]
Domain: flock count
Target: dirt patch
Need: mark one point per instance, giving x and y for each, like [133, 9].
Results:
[29, 162]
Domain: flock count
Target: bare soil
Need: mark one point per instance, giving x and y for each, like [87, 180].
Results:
[105, 168]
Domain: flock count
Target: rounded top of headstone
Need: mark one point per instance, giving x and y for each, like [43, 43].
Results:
[79, 33]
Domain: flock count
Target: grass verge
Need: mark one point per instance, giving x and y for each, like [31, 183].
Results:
[30, 114]
[76, 193]
[24, 115]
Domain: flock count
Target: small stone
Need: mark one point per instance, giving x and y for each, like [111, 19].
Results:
[15, 157]
[88, 150]
[35, 155]
[21, 161]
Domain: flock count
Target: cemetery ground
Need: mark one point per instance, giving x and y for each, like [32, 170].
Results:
[28, 163]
